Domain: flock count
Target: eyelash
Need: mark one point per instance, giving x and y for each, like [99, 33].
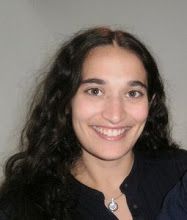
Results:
[135, 94]
[98, 92]
[94, 92]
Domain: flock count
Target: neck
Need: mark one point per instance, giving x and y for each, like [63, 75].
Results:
[105, 176]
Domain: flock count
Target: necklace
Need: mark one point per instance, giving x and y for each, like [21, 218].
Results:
[113, 205]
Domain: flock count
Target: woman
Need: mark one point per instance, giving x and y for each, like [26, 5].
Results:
[97, 143]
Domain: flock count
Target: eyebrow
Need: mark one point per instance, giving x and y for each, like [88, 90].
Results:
[93, 80]
[132, 83]
[137, 83]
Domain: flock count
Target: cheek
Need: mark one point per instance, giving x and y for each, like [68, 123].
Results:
[140, 113]
[83, 109]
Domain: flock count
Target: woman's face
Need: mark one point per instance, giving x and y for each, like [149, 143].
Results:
[110, 108]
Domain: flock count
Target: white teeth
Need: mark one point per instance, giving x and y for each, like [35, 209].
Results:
[110, 132]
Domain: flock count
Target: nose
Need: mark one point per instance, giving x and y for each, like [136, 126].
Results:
[114, 110]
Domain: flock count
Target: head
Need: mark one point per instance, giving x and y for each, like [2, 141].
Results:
[53, 113]
[66, 74]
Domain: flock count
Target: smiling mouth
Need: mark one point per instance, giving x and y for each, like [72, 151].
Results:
[111, 133]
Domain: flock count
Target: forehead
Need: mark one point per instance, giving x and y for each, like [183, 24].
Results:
[113, 62]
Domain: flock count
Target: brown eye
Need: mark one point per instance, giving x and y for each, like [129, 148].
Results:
[134, 94]
[94, 92]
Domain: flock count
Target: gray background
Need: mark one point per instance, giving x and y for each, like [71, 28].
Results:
[31, 30]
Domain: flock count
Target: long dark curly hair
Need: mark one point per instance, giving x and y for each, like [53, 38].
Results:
[38, 176]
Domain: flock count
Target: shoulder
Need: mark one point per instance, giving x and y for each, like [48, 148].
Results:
[175, 203]
[17, 202]
[163, 168]
[175, 156]
[7, 209]
[3, 215]
[175, 160]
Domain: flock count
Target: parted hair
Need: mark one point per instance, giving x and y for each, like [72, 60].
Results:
[38, 177]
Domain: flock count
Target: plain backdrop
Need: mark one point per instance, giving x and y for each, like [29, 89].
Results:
[31, 30]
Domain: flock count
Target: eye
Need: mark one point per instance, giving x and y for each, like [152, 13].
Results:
[135, 94]
[94, 92]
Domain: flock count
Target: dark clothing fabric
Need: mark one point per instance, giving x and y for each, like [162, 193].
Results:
[175, 204]
[147, 184]
[151, 178]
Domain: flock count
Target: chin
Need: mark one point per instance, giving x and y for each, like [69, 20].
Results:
[113, 156]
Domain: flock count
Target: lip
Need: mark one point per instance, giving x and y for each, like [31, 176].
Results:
[111, 133]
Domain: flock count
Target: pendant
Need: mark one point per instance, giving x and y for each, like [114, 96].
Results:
[113, 206]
